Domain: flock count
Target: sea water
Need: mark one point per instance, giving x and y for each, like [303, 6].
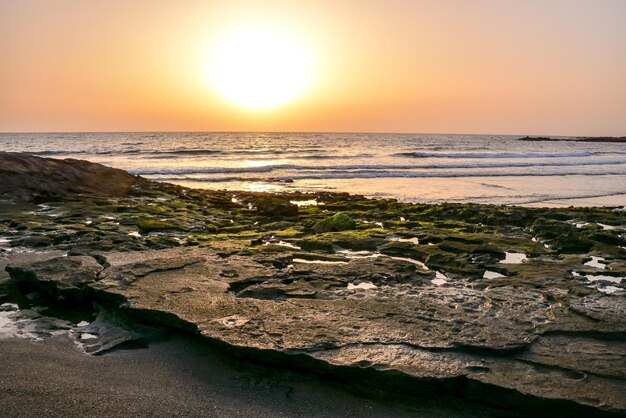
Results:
[409, 167]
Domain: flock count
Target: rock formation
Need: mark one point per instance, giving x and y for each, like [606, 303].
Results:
[518, 308]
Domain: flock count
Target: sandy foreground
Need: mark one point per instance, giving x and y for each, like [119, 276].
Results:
[177, 377]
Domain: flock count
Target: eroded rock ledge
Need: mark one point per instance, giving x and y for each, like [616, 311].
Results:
[514, 307]
[519, 339]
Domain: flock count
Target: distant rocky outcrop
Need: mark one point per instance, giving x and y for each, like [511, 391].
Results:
[581, 139]
[27, 177]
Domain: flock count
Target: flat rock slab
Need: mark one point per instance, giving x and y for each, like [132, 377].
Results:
[547, 343]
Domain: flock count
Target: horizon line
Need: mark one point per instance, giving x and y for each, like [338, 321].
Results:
[302, 132]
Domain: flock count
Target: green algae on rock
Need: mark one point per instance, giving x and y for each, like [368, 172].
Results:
[337, 222]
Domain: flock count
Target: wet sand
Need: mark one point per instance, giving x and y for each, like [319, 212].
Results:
[178, 377]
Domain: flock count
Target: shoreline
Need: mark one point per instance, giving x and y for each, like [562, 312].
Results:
[425, 169]
[608, 200]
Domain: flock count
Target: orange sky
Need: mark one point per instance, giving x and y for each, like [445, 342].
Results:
[493, 66]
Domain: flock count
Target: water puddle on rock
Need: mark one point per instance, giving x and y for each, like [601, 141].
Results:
[310, 202]
[282, 244]
[29, 324]
[377, 223]
[44, 207]
[303, 261]
[413, 240]
[600, 277]
[6, 312]
[6, 247]
[362, 285]
[605, 227]
[357, 254]
[609, 289]
[105, 333]
[410, 260]
[596, 262]
[514, 258]
[440, 279]
[491, 274]
[596, 280]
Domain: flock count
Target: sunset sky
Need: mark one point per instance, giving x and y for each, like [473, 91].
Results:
[452, 66]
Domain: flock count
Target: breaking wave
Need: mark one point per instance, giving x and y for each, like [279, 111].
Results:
[494, 155]
[392, 169]
[378, 174]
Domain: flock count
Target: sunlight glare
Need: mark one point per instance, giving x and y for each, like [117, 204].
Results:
[260, 67]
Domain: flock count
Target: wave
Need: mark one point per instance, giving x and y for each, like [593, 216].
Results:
[365, 167]
[309, 153]
[368, 175]
[167, 156]
[183, 152]
[229, 152]
[207, 170]
[175, 153]
[50, 152]
[493, 155]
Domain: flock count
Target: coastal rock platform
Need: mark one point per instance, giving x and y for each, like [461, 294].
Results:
[515, 308]
[541, 343]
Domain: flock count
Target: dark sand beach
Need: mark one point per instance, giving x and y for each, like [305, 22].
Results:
[178, 377]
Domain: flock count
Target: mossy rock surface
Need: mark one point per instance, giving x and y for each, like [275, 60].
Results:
[336, 223]
[276, 207]
[149, 225]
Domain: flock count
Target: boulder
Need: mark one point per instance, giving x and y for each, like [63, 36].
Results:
[26, 177]
[337, 222]
[276, 207]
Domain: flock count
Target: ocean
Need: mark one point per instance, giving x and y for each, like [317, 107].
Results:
[409, 167]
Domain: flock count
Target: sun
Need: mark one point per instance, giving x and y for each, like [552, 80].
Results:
[260, 67]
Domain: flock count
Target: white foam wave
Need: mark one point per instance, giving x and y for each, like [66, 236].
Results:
[495, 154]
[379, 174]
[359, 168]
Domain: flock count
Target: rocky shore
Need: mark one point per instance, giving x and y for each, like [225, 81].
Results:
[519, 309]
